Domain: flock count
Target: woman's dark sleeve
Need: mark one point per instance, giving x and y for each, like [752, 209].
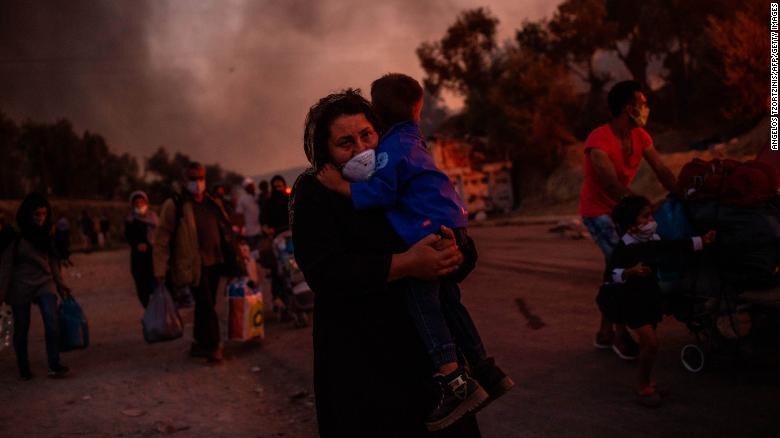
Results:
[320, 252]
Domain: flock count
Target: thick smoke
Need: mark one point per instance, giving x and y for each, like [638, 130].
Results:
[223, 81]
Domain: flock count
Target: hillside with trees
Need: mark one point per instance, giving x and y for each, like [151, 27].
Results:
[55, 160]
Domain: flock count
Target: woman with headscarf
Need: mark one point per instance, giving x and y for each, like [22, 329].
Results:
[140, 226]
[30, 273]
[371, 371]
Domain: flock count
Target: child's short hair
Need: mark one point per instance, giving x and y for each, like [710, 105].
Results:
[626, 213]
[394, 97]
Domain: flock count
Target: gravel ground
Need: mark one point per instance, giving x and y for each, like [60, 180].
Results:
[531, 296]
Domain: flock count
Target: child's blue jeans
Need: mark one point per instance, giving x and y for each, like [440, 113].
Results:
[442, 322]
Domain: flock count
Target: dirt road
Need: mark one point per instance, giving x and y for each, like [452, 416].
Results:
[532, 298]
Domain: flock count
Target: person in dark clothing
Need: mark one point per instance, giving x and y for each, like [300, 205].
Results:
[630, 294]
[274, 216]
[140, 227]
[274, 219]
[88, 233]
[418, 199]
[371, 370]
[104, 236]
[263, 187]
[62, 239]
[30, 273]
[262, 199]
[221, 197]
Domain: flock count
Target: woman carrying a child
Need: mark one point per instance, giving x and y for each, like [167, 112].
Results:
[371, 371]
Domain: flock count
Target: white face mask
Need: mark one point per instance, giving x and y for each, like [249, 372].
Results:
[196, 187]
[646, 232]
[360, 167]
[639, 116]
[141, 211]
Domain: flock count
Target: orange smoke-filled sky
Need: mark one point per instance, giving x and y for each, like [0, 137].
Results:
[225, 81]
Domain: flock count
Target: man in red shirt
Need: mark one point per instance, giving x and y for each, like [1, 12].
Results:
[613, 152]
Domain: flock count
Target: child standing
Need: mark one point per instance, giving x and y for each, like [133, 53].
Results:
[419, 200]
[630, 294]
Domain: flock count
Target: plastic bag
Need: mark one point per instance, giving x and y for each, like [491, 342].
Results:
[161, 321]
[74, 329]
[245, 311]
[6, 326]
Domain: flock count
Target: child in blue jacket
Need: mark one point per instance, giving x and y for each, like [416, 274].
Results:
[419, 200]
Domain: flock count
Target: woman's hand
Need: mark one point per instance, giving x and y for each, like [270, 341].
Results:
[424, 261]
[331, 178]
[447, 239]
[639, 270]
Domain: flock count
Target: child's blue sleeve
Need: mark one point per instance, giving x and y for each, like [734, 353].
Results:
[381, 190]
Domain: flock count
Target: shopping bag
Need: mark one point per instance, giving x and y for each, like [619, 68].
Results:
[161, 321]
[245, 312]
[74, 329]
[6, 326]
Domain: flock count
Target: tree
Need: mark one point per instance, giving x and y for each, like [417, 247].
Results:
[578, 30]
[516, 97]
[11, 184]
[742, 46]
[464, 62]
[434, 113]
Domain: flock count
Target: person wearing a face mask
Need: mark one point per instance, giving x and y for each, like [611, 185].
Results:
[630, 294]
[613, 152]
[274, 216]
[189, 247]
[140, 226]
[30, 274]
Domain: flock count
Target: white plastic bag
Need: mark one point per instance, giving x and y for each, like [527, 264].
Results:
[161, 321]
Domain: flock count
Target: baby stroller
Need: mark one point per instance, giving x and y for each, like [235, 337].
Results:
[295, 293]
[728, 296]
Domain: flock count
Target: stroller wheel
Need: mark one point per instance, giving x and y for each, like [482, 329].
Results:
[692, 358]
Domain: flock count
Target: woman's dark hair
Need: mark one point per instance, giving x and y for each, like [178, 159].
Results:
[620, 95]
[37, 235]
[626, 213]
[317, 126]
